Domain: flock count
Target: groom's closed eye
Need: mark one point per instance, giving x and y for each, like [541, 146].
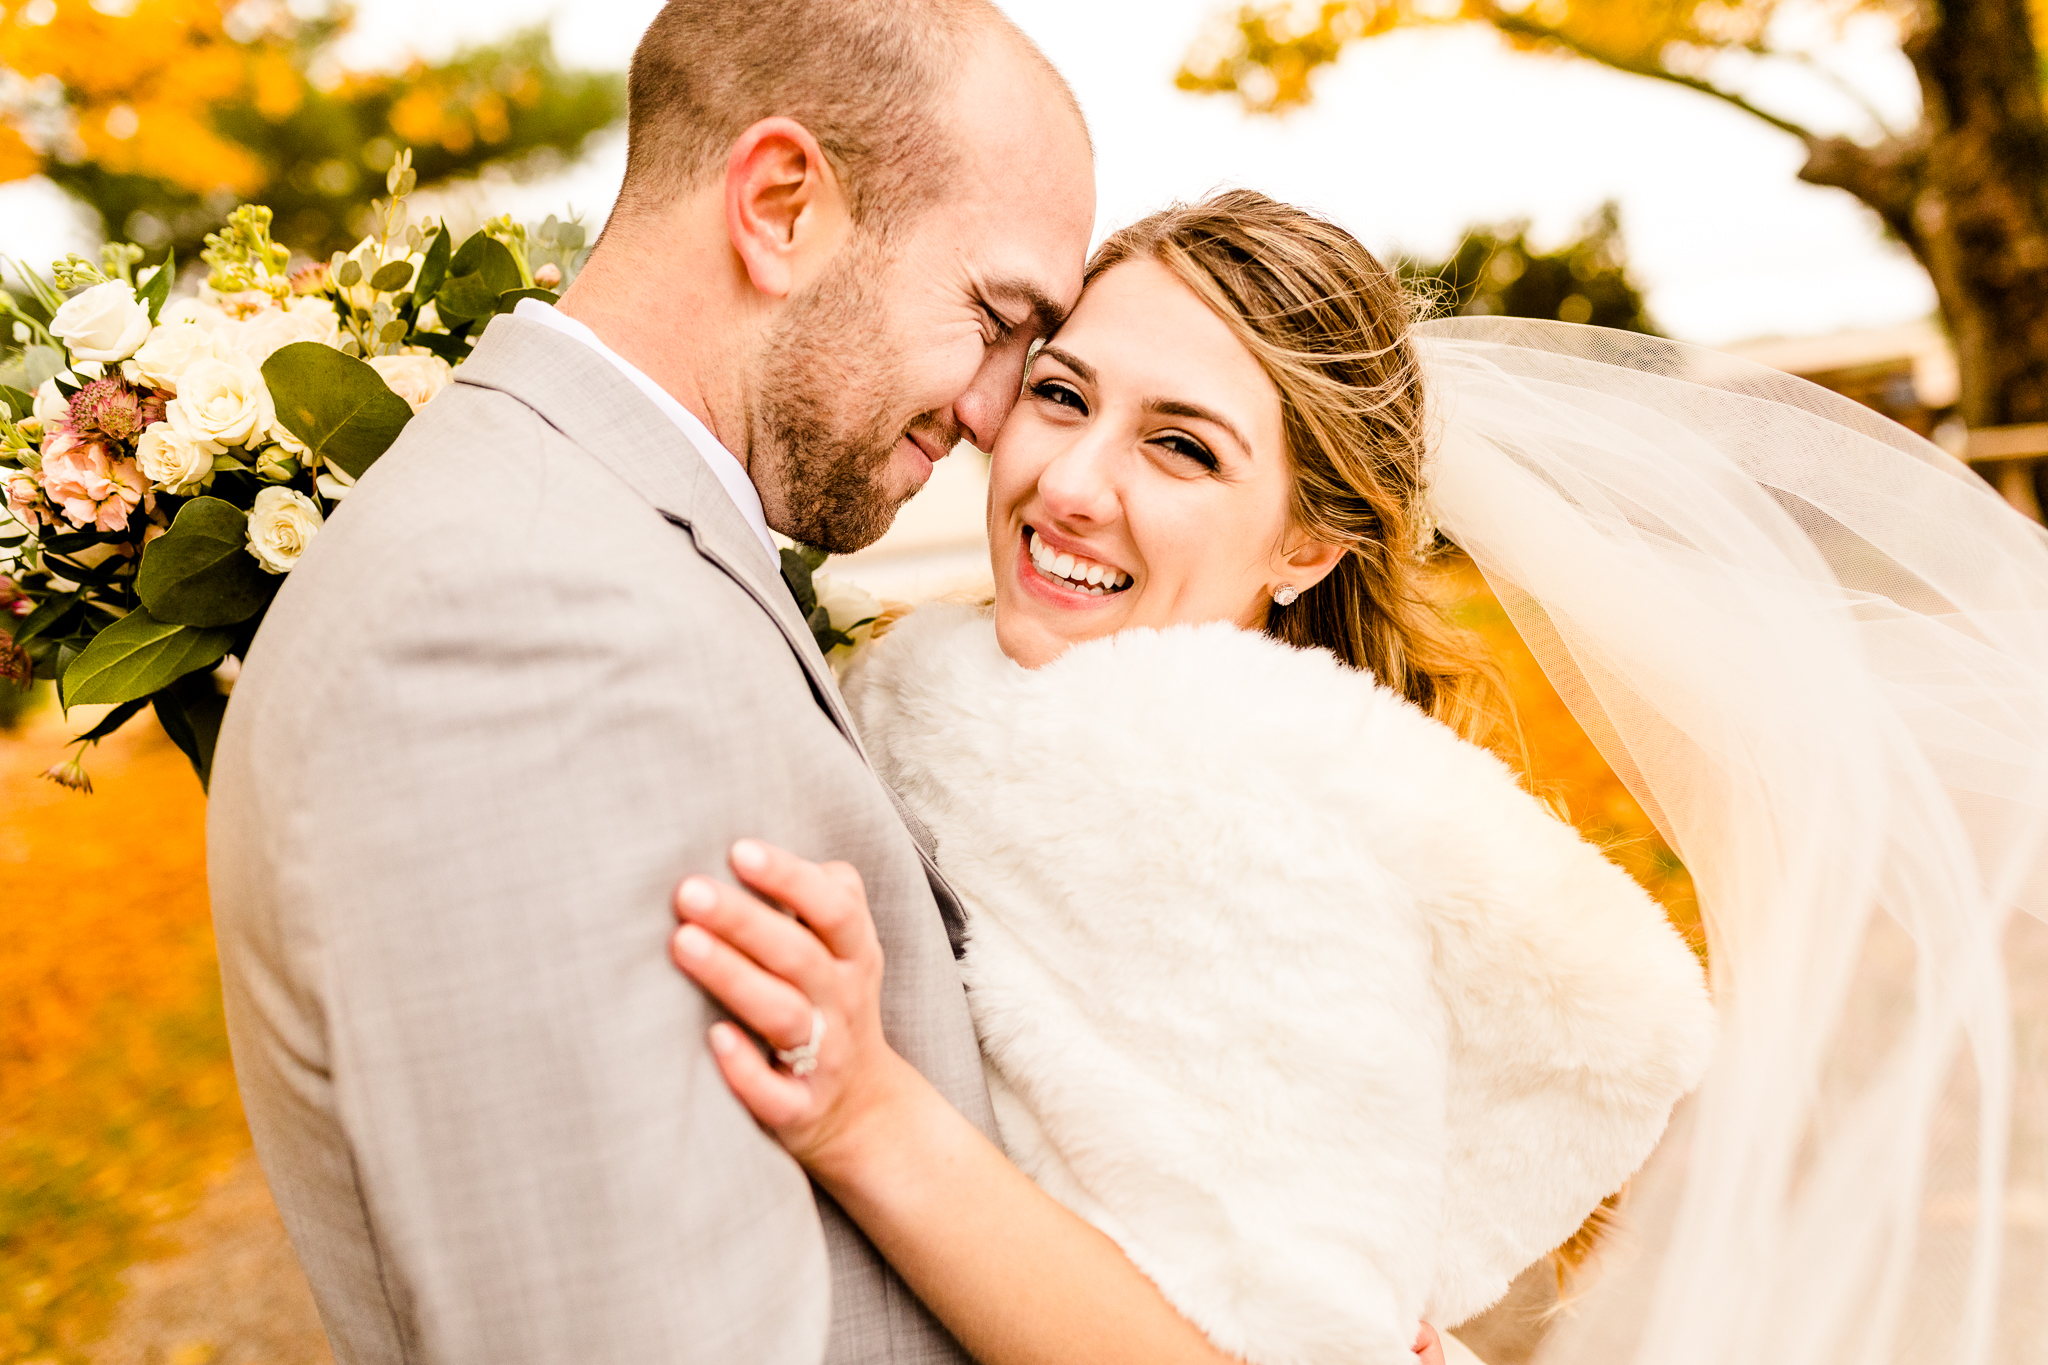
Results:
[1040, 311]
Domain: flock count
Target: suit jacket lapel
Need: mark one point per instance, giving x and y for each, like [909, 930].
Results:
[585, 398]
[581, 395]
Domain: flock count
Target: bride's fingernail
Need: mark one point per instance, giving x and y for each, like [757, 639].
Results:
[724, 1038]
[698, 894]
[748, 855]
[692, 941]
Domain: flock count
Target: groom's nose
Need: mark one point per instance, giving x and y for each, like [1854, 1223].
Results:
[982, 409]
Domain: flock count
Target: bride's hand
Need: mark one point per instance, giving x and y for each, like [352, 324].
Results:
[816, 977]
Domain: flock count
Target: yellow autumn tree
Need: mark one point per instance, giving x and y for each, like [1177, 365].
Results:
[1965, 188]
[161, 114]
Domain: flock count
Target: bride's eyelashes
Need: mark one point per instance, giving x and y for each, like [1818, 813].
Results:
[1188, 448]
[1061, 393]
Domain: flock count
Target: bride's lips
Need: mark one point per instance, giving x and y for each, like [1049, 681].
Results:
[1055, 591]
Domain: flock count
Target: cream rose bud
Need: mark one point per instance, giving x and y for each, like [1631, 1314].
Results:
[415, 378]
[171, 460]
[222, 402]
[281, 525]
[851, 608]
[51, 406]
[106, 322]
[172, 349]
[198, 312]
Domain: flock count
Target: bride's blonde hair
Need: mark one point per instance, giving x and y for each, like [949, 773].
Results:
[1330, 324]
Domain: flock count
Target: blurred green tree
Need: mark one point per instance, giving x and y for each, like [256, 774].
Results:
[1965, 189]
[1495, 272]
[161, 115]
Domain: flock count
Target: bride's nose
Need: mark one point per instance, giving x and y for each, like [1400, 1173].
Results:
[1079, 485]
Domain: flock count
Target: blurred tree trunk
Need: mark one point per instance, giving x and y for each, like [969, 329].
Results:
[1967, 192]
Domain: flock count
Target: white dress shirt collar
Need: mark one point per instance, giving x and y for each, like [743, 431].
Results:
[731, 474]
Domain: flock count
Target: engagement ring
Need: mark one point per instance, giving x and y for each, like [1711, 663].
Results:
[803, 1060]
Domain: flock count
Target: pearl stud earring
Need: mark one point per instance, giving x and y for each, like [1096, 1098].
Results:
[1286, 595]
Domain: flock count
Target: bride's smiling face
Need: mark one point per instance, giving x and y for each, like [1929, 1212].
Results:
[1142, 479]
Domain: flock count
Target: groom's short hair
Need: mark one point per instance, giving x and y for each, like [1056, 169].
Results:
[866, 77]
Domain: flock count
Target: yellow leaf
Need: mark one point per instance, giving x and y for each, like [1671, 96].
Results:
[17, 160]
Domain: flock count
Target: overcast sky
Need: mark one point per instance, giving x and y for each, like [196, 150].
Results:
[1413, 138]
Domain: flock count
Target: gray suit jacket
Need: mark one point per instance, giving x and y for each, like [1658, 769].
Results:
[534, 671]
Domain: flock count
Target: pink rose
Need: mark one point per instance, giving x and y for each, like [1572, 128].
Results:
[92, 485]
[25, 500]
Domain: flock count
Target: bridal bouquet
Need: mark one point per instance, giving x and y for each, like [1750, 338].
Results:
[175, 457]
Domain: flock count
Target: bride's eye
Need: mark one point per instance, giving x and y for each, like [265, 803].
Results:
[1054, 391]
[1187, 447]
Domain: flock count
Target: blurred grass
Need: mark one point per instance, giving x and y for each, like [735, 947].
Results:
[117, 1099]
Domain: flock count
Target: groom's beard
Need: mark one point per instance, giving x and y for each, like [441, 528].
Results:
[825, 371]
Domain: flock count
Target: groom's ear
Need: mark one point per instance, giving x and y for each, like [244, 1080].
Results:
[785, 210]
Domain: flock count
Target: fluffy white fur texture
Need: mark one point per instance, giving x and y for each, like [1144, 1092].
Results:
[1296, 995]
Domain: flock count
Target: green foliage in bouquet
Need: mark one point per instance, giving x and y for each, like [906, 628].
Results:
[176, 457]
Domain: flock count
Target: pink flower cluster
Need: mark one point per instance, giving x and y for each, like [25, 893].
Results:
[88, 472]
[14, 661]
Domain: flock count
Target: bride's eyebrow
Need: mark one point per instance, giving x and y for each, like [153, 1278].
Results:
[1174, 407]
[1080, 367]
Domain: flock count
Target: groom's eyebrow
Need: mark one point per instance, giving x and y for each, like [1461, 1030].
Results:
[1044, 307]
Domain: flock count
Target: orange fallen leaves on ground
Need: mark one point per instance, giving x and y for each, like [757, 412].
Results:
[117, 1100]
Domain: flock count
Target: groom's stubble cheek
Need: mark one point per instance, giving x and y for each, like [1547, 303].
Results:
[830, 409]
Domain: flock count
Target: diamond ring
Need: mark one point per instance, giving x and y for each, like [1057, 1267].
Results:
[803, 1060]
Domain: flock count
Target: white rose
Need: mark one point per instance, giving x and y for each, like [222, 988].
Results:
[171, 460]
[315, 321]
[415, 378]
[262, 334]
[198, 312]
[106, 322]
[851, 608]
[281, 525]
[172, 349]
[222, 402]
[51, 406]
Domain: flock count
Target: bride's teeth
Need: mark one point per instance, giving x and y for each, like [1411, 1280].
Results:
[1097, 580]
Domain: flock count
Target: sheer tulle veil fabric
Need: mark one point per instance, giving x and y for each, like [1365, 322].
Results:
[1816, 649]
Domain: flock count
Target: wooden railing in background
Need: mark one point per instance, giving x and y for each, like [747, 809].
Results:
[2011, 458]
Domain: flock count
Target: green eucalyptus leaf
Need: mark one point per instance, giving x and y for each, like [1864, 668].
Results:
[569, 236]
[136, 656]
[350, 274]
[392, 277]
[433, 270]
[463, 298]
[48, 614]
[19, 404]
[470, 254]
[340, 407]
[41, 364]
[112, 721]
[509, 300]
[190, 711]
[200, 572]
[159, 287]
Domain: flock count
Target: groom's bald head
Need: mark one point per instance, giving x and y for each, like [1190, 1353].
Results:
[870, 79]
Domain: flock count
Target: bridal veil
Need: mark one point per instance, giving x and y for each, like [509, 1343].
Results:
[1815, 648]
